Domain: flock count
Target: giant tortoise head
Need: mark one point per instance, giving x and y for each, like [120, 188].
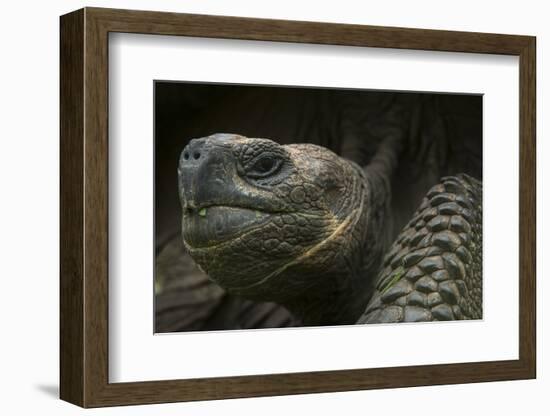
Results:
[265, 220]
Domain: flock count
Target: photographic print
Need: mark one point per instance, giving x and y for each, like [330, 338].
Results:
[320, 192]
[282, 206]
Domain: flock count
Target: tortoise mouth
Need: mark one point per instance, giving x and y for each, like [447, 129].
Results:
[212, 225]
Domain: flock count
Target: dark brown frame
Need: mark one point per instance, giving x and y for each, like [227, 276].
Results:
[84, 213]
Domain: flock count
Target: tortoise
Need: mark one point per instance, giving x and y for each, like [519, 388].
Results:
[292, 235]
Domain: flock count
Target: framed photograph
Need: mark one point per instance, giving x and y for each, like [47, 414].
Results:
[255, 207]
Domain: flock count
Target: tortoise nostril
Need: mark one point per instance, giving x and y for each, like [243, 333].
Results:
[186, 156]
[196, 155]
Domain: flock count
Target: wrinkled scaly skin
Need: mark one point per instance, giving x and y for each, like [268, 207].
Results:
[281, 223]
[433, 270]
[302, 227]
[187, 300]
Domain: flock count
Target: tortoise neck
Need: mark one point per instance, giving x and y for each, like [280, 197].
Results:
[337, 307]
[345, 286]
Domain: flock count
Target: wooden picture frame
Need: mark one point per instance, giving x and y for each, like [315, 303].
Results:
[84, 207]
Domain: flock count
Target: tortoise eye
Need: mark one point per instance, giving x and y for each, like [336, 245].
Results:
[264, 166]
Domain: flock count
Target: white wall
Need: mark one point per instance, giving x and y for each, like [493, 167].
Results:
[29, 205]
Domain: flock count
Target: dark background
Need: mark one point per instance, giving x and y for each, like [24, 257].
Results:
[442, 132]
